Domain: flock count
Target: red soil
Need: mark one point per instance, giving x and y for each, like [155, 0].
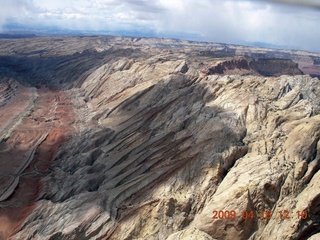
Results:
[52, 114]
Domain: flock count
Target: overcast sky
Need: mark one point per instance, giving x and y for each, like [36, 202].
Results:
[229, 21]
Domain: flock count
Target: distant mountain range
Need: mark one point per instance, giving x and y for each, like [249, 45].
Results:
[17, 30]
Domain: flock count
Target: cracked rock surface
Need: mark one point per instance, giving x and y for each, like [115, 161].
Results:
[126, 138]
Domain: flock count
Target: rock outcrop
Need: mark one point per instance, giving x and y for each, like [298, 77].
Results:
[143, 139]
[275, 67]
[249, 66]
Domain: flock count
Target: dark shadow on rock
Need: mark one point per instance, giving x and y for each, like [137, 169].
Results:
[167, 129]
[57, 72]
[275, 67]
[158, 134]
[249, 66]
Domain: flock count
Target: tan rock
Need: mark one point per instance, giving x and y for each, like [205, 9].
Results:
[128, 138]
[190, 234]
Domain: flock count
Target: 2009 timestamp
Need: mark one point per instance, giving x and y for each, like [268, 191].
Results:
[283, 214]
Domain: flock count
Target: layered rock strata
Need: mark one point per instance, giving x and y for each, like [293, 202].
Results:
[138, 142]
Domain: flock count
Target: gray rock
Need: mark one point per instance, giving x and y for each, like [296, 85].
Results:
[141, 143]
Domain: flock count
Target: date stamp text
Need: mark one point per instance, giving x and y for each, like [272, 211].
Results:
[267, 214]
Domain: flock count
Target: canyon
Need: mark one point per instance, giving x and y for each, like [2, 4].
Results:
[141, 138]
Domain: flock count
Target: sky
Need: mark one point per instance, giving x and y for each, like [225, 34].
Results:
[228, 21]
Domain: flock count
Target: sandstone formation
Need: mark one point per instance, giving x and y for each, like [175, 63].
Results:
[128, 138]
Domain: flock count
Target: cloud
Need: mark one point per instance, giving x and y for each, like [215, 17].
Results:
[230, 21]
[98, 14]
[245, 21]
[12, 8]
[145, 6]
[305, 3]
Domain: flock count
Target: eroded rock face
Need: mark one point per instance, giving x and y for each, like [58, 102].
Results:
[144, 145]
[249, 66]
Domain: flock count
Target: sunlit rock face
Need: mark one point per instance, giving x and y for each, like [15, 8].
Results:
[134, 138]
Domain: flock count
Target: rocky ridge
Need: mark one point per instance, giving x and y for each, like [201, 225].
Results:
[126, 138]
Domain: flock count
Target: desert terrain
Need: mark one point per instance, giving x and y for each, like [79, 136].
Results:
[145, 138]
